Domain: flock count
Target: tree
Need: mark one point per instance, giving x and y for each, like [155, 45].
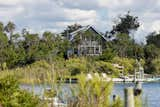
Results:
[62, 46]
[1, 27]
[126, 24]
[48, 36]
[153, 38]
[47, 46]
[156, 66]
[137, 51]
[9, 28]
[3, 48]
[24, 32]
[12, 96]
[121, 44]
[31, 45]
[151, 53]
[70, 29]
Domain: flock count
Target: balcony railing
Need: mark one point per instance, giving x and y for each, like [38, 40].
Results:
[90, 43]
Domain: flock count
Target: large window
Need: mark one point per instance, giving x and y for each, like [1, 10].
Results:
[97, 50]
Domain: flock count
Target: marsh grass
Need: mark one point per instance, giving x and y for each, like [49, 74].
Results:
[86, 93]
[93, 93]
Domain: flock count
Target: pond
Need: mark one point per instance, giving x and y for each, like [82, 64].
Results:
[151, 91]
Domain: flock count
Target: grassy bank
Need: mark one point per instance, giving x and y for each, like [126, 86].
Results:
[92, 93]
[45, 72]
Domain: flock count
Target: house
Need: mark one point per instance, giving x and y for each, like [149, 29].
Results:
[86, 41]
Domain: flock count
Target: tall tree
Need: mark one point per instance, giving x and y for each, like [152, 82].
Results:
[3, 47]
[154, 38]
[120, 44]
[126, 24]
[1, 27]
[70, 29]
[9, 28]
[31, 45]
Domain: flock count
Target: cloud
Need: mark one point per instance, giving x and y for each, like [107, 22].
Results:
[77, 14]
[9, 2]
[115, 3]
[79, 4]
[155, 25]
[55, 15]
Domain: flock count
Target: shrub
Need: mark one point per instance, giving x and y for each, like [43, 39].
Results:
[93, 93]
[42, 64]
[106, 67]
[107, 55]
[156, 66]
[12, 96]
[127, 63]
[77, 65]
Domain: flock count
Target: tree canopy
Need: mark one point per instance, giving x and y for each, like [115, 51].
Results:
[153, 38]
[70, 29]
[20, 49]
[126, 24]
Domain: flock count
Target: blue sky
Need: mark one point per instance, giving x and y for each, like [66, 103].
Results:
[55, 15]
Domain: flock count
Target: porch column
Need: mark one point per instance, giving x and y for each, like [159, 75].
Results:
[100, 50]
[78, 49]
[94, 52]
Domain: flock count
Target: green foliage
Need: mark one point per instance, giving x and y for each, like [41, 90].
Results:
[118, 103]
[155, 66]
[126, 24]
[127, 63]
[154, 38]
[1, 27]
[17, 50]
[26, 48]
[151, 51]
[107, 55]
[41, 64]
[77, 65]
[10, 27]
[151, 57]
[70, 29]
[138, 101]
[12, 96]
[49, 93]
[124, 46]
[93, 93]
[106, 67]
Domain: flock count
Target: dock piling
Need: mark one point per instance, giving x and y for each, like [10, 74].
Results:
[129, 97]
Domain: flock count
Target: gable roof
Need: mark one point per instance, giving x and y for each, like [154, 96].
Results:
[83, 29]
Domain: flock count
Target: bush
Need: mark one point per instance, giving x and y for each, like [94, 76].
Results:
[127, 63]
[42, 64]
[156, 66]
[106, 67]
[107, 55]
[77, 65]
[12, 96]
[93, 93]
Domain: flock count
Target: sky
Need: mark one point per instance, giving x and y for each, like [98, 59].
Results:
[55, 15]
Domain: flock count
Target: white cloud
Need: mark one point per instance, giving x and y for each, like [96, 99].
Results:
[9, 2]
[55, 15]
[114, 3]
[77, 14]
[155, 25]
[79, 4]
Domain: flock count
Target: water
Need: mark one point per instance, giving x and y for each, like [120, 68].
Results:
[151, 91]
